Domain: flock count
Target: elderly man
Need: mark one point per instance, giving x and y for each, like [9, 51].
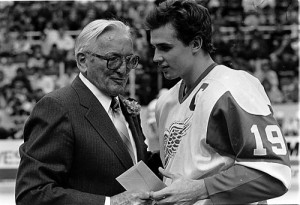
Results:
[77, 139]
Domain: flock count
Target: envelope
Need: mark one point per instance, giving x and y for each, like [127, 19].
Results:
[140, 177]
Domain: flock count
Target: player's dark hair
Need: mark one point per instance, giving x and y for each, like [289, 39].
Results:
[189, 19]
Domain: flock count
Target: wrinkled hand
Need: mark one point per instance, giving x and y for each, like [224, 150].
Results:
[182, 191]
[131, 198]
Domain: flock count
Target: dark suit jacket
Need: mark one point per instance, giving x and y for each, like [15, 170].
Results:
[72, 152]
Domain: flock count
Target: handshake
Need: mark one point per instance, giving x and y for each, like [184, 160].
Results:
[133, 198]
[140, 182]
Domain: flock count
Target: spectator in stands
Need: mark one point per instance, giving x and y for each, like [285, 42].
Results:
[271, 83]
[58, 37]
[37, 59]
[3, 89]
[273, 92]
[73, 22]
[64, 41]
[21, 75]
[37, 94]
[18, 104]
[7, 125]
[47, 37]
[3, 80]
[237, 46]
[39, 80]
[56, 54]
[6, 41]
[291, 90]
[9, 68]
[257, 47]
[22, 47]
[19, 99]
[6, 44]
[286, 68]
[52, 67]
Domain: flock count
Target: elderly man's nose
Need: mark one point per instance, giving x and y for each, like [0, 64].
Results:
[123, 68]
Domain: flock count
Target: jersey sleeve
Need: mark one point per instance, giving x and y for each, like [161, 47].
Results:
[246, 131]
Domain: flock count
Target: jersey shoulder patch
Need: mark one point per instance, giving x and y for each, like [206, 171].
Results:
[244, 88]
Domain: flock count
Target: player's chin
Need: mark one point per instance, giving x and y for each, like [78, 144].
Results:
[169, 76]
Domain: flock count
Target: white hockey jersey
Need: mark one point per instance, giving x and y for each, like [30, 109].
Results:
[223, 130]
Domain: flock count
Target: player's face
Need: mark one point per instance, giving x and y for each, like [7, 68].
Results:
[111, 82]
[173, 57]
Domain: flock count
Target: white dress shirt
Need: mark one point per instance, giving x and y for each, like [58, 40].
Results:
[105, 102]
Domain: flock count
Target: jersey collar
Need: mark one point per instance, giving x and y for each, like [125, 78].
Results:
[182, 95]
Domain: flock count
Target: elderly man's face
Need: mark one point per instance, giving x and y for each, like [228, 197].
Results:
[111, 82]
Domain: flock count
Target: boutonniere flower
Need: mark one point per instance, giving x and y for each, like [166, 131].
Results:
[132, 106]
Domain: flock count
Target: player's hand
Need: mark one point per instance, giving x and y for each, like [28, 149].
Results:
[131, 198]
[182, 190]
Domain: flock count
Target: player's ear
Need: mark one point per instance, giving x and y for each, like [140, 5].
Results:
[196, 44]
[81, 62]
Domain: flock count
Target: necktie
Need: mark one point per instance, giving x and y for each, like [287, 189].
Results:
[121, 127]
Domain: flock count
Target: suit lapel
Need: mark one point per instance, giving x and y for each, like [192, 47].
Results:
[136, 131]
[101, 122]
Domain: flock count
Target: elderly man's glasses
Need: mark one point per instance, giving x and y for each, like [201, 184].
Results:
[115, 61]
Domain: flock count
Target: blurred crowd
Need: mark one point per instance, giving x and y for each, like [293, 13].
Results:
[37, 40]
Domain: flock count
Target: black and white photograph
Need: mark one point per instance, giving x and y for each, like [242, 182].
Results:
[155, 102]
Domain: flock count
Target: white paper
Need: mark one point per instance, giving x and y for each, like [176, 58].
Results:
[140, 178]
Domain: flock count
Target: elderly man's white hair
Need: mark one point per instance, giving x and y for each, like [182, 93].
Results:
[88, 36]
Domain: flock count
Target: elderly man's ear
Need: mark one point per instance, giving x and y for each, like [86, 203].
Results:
[81, 62]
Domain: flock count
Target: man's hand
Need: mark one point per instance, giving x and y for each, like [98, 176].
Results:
[181, 191]
[131, 198]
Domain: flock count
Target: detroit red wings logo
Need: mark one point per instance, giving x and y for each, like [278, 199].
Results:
[173, 136]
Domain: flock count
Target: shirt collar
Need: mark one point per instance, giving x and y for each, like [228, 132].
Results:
[102, 98]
